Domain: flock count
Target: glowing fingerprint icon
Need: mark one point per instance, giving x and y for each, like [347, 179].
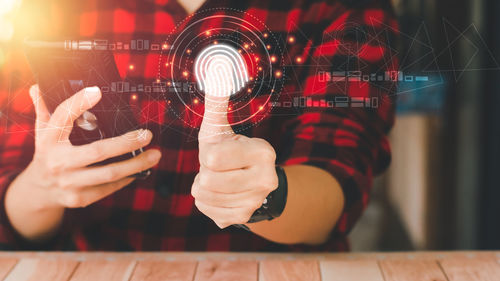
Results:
[220, 71]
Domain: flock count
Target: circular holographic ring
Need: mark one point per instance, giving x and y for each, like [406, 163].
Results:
[222, 52]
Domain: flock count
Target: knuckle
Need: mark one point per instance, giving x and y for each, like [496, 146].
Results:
[64, 183]
[111, 174]
[212, 160]
[73, 200]
[55, 167]
[98, 151]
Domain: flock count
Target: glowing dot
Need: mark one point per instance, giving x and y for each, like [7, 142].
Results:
[278, 74]
[158, 80]
[268, 47]
[261, 107]
[246, 46]
[169, 102]
[185, 74]
[166, 64]
[169, 83]
[265, 35]
[164, 46]
[195, 101]
[291, 39]
[273, 59]
[131, 67]
[298, 59]
[133, 97]
[229, 108]
[257, 58]
[208, 32]
[251, 78]
[215, 42]
[188, 51]
[260, 68]
[239, 51]
[249, 90]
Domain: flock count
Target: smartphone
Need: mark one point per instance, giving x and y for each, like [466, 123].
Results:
[63, 68]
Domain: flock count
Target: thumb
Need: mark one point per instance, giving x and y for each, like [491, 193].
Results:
[215, 126]
[218, 88]
[41, 111]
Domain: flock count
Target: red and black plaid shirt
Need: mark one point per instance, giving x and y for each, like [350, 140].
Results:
[159, 213]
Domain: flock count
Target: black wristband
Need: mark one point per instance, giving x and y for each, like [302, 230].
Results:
[275, 202]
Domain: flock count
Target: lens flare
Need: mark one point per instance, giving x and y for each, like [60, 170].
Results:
[220, 71]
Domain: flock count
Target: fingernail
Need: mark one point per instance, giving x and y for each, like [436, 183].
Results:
[93, 93]
[33, 91]
[154, 155]
[144, 134]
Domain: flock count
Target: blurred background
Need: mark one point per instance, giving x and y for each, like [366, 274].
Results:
[441, 190]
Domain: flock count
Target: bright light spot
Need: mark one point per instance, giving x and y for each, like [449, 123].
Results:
[260, 68]
[188, 51]
[278, 74]
[9, 6]
[185, 73]
[261, 107]
[268, 47]
[158, 80]
[229, 108]
[208, 32]
[291, 39]
[131, 67]
[246, 46]
[273, 58]
[195, 101]
[298, 59]
[265, 35]
[133, 97]
[169, 83]
[166, 64]
[215, 42]
[164, 46]
[257, 58]
[249, 90]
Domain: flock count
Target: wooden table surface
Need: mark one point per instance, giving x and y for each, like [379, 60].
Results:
[413, 266]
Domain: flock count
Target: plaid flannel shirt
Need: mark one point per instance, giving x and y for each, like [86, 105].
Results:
[348, 140]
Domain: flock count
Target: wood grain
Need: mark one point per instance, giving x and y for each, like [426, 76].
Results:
[6, 265]
[109, 270]
[223, 270]
[411, 270]
[163, 270]
[31, 269]
[468, 269]
[350, 270]
[278, 270]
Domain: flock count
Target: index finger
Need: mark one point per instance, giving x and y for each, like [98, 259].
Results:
[70, 109]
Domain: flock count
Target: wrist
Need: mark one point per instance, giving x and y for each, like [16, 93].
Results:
[26, 191]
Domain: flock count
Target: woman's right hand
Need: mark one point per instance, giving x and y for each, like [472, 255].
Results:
[60, 175]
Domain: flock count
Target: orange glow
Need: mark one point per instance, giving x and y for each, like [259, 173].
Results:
[298, 59]
[195, 101]
[246, 46]
[131, 67]
[188, 51]
[185, 73]
[265, 35]
[291, 39]
[257, 58]
[133, 97]
[261, 107]
[273, 59]
[215, 42]
[208, 32]
[164, 46]
[278, 74]
[268, 47]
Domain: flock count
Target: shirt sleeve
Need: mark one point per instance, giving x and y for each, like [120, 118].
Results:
[343, 126]
[16, 150]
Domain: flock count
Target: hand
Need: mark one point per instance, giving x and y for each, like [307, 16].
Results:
[236, 172]
[61, 171]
